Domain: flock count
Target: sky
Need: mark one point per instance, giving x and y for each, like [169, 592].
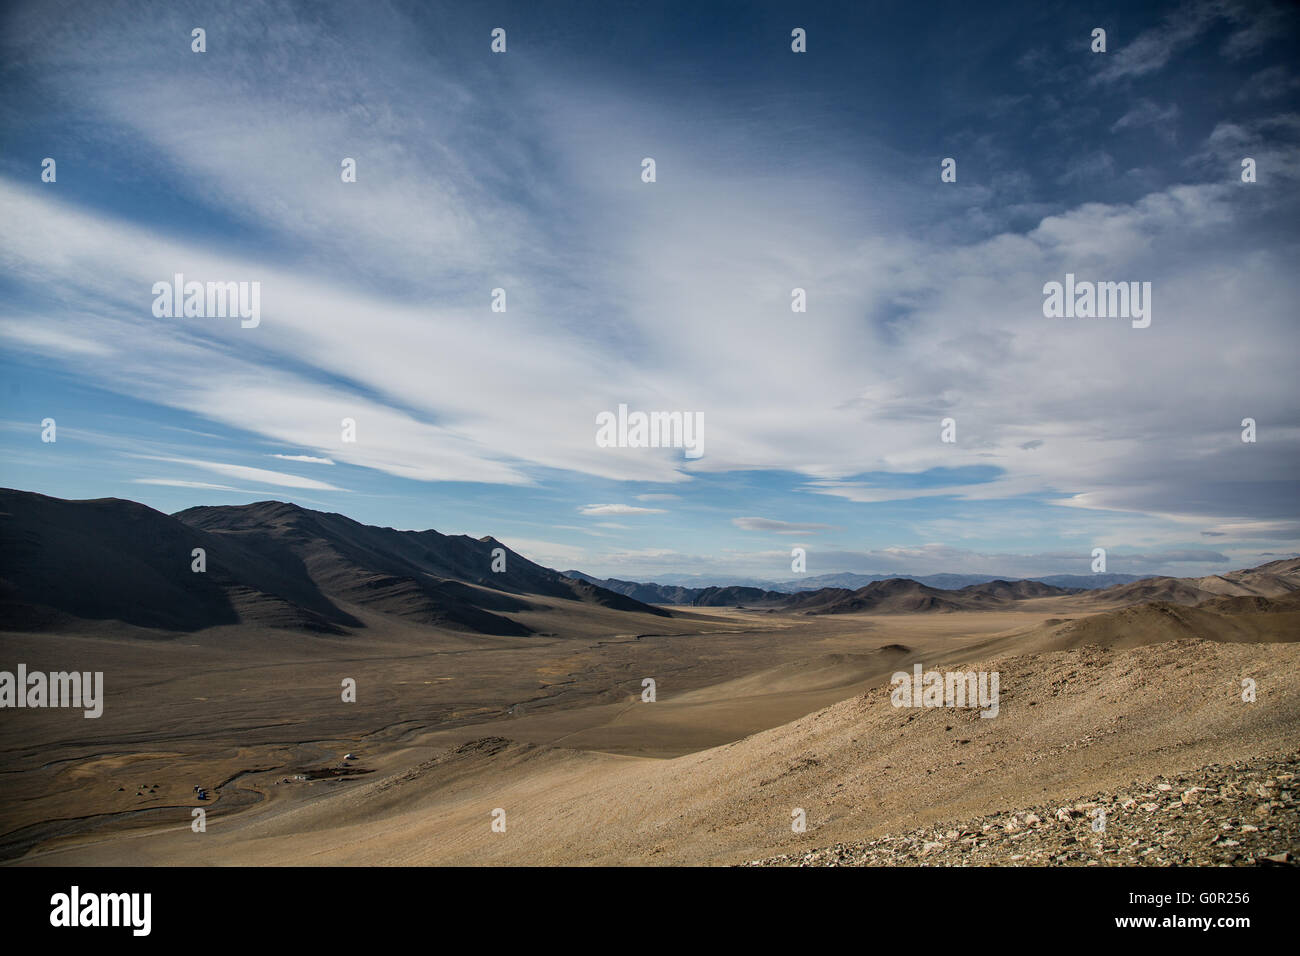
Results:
[774, 170]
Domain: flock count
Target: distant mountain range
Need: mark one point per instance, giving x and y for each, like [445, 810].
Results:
[679, 594]
[280, 565]
[889, 595]
[951, 582]
[902, 595]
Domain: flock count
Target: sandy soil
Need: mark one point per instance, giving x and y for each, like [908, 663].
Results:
[756, 714]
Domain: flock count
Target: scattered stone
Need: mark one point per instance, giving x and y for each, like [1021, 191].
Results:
[1206, 830]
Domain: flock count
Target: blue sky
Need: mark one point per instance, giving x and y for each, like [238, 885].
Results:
[775, 170]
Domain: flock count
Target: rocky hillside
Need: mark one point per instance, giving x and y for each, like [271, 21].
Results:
[1244, 814]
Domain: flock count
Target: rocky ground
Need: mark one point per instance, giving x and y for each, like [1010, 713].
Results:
[1238, 815]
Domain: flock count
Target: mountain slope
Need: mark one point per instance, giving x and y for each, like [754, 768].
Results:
[1273, 580]
[432, 577]
[109, 558]
[647, 593]
[903, 595]
[737, 597]
[268, 563]
[1237, 619]
[1070, 723]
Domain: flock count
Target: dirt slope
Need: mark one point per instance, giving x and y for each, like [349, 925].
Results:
[1070, 723]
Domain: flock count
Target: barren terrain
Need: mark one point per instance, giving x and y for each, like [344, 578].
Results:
[760, 713]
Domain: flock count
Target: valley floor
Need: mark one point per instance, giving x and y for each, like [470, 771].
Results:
[758, 716]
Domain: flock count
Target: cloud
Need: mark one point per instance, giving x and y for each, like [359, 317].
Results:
[1255, 25]
[179, 483]
[549, 554]
[305, 458]
[259, 475]
[1268, 84]
[868, 494]
[1248, 26]
[618, 510]
[1152, 49]
[1145, 113]
[1272, 141]
[780, 527]
[1009, 376]
[1089, 167]
[40, 338]
[375, 298]
[1272, 530]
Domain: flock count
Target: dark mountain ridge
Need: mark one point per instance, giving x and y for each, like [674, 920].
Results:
[269, 563]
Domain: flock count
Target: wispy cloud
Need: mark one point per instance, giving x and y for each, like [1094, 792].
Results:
[615, 509]
[48, 341]
[260, 475]
[180, 483]
[305, 458]
[925, 301]
[779, 527]
[1146, 113]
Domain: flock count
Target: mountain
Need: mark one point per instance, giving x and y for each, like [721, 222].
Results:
[647, 593]
[728, 596]
[949, 582]
[1236, 619]
[698, 582]
[896, 595]
[737, 596]
[281, 565]
[1273, 580]
[1088, 582]
[1009, 592]
[268, 563]
[890, 595]
[904, 595]
[1165, 589]
[848, 580]
[110, 558]
[685, 589]
[968, 592]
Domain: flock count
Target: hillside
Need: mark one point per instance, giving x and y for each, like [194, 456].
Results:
[1226, 619]
[268, 563]
[1275, 579]
[1072, 724]
[905, 596]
